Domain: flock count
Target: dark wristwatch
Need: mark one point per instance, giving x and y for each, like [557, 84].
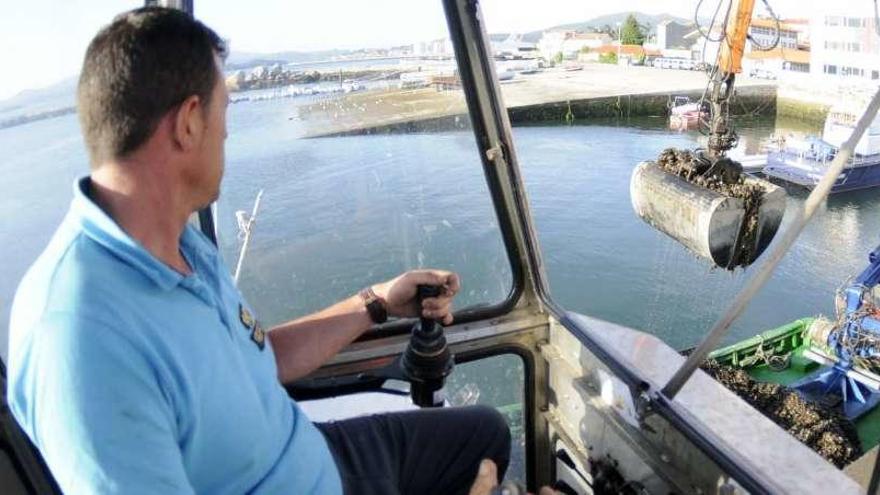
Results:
[375, 306]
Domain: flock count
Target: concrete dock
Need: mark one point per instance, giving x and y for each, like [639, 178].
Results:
[598, 90]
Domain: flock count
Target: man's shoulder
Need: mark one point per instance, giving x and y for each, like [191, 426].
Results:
[71, 268]
[73, 276]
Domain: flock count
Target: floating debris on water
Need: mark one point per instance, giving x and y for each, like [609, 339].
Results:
[822, 429]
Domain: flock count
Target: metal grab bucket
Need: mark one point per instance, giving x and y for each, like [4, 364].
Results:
[706, 222]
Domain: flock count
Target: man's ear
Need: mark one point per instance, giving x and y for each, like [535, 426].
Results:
[189, 123]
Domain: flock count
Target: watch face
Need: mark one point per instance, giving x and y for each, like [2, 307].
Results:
[377, 311]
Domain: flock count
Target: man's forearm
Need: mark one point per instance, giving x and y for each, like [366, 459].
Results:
[303, 345]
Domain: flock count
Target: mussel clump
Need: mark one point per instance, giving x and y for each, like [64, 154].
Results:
[824, 430]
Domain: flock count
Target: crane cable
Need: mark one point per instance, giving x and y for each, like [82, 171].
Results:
[703, 124]
[776, 39]
[708, 34]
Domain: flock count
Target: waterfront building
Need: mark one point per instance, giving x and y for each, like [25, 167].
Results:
[791, 53]
[789, 57]
[514, 47]
[441, 47]
[671, 35]
[702, 49]
[793, 33]
[778, 63]
[626, 54]
[569, 43]
[845, 47]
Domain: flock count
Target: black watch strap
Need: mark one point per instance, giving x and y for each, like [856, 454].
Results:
[375, 306]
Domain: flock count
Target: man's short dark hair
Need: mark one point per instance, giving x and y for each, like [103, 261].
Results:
[146, 62]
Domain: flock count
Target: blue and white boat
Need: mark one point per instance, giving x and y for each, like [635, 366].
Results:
[804, 161]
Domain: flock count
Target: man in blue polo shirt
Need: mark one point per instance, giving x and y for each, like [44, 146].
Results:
[135, 365]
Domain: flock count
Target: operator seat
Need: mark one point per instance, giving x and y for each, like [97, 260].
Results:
[22, 469]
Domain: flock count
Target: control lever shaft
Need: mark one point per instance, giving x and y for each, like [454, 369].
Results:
[427, 360]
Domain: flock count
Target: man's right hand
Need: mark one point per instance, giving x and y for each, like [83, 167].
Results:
[400, 294]
[487, 479]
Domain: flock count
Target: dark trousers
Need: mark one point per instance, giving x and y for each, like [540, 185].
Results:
[417, 452]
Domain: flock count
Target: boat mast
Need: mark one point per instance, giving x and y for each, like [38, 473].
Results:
[246, 227]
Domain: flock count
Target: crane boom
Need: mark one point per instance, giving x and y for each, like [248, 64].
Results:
[736, 33]
[721, 134]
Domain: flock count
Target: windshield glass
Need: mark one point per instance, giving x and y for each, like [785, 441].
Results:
[350, 118]
[596, 90]
[350, 159]
[354, 127]
[361, 146]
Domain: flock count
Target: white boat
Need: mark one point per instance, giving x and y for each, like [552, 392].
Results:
[751, 164]
[804, 162]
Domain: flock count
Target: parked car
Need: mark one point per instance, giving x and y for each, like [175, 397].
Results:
[674, 63]
[685, 64]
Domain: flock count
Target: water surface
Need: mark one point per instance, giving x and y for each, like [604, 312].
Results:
[339, 213]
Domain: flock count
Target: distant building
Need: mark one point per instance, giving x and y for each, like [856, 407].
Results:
[793, 37]
[433, 48]
[257, 73]
[513, 47]
[790, 54]
[802, 28]
[791, 31]
[777, 62]
[702, 49]
[569, 43]
[844, 46]
[671, 35]
[625, 53]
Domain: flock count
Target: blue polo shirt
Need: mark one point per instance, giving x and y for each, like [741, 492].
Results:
[131, 378]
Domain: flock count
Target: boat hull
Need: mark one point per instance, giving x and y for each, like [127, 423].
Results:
[684, 121]
[807, 172]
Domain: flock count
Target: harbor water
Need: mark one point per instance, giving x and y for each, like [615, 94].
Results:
[340, 212]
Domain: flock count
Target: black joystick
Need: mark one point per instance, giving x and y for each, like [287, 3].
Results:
[427, 361]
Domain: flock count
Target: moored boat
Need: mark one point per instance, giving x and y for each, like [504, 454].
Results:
[751, 164]
[819, 378]
[685, 114]
[803, 162]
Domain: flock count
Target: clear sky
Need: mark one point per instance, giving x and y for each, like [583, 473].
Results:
[44, 42]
